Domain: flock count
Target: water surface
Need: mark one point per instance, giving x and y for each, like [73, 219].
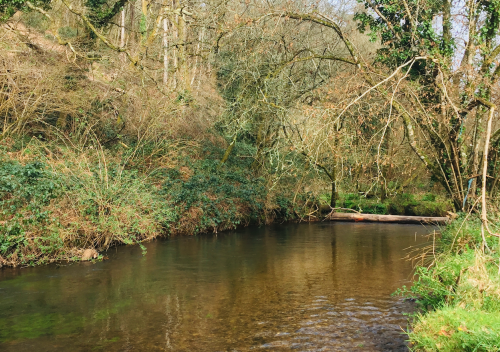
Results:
[303, 287]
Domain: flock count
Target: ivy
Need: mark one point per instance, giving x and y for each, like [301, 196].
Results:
[415, 39]
[24, 192]
[9, 7]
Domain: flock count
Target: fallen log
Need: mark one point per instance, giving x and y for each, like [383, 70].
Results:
[399, 219]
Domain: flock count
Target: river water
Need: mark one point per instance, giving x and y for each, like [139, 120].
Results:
[293, 287]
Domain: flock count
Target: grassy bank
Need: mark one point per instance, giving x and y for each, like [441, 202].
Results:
[58, 203]
[458, 292]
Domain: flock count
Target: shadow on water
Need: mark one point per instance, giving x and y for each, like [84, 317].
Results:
[308, 287]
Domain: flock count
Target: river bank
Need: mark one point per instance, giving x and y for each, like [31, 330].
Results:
[57, 204]
[61, 203]
[457, 289]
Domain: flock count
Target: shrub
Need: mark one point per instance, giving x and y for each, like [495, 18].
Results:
[25, 193]
[209, 197]
[370, 206]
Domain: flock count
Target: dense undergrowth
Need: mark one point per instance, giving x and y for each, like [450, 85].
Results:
[458, 292]
[57, 202]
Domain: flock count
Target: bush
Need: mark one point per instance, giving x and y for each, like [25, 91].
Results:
[403, 203]
[51, 215]
[25, 193]
[209, 197]
[105, 207]
[364, 205]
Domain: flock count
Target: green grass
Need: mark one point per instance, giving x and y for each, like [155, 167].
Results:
[457, 329]
[457, 290]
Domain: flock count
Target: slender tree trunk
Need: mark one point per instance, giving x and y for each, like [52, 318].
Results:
[175, 33]
[333, 199]
[447, 21]
[475, 156]
[228, 151]
[183, 62]
[122, 33]
[132, 21]
[196, 59]
[165, 51]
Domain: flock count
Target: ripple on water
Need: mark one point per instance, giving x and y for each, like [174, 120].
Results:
[322, 287]
[373, 325]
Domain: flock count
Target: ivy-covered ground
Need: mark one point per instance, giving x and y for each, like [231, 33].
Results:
[402, 203]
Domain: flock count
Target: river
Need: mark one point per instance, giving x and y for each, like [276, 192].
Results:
[300, 287]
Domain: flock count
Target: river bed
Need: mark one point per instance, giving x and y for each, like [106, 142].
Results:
[292, 287]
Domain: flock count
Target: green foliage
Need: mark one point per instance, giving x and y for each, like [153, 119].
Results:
[459, 295]
[47, 215]
[116, 205]
[143, 26]
[25, 191]
[102, 11]
[9, 7]
[464, 233]
[458, 329]
[436, 286]
[362, 204]
[52, 211]
[413, 41]
[224, 197]
[429, 197]
[401, 204]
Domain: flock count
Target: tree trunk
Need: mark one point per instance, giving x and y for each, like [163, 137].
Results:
[400, 219]
[165, 51]
[333, 199]
[183, 61]
[229, 149]
[175, 33]
[122, 33]
[132, 21]
[471, 195]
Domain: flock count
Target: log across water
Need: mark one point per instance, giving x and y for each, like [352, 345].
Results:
[400, 219]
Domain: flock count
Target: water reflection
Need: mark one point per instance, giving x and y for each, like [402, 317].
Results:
[310, 287]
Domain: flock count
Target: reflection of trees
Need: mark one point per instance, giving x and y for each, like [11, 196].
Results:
[210, 292]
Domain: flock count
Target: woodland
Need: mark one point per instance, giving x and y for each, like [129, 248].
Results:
[126, 120]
